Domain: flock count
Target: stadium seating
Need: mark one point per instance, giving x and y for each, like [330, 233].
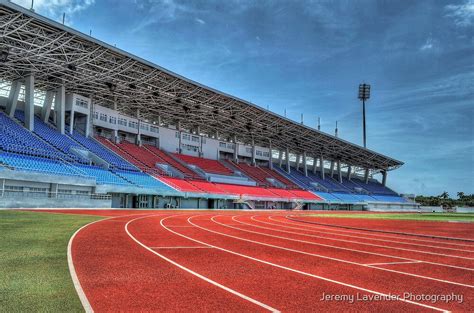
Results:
[207, 165]
[208, 187]
[275, 175]
[297, 177]
[103, 176]
[107, 155]
[142, 158]
[304, 194]
[168, 159]
[247, 191]
[181, 184]
[376, 188]
[327, 196]
[143, 180]
[61, 142]
[254, 172]
[17, 139]
[31, 163]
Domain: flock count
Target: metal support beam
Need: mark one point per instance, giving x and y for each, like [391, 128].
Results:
[339, 171]
[305, 166]
[270, 162]
[349, 172]
[315, 164]
[366, 176]
[71, 122]
[321, 167]
[30, 102]
[254, 153]
[236, 150]
[280, 158]
[13, 97]
[139, 135]
[90, 118]
[332, 169]
[384, 178]
[46, 109]
[297, 162]
[60, 107]
[287, 155]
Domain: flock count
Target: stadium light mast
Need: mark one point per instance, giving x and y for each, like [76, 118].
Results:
[364, 94]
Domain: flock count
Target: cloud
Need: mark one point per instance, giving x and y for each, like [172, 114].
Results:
[463, 14]
[198, 20]
[55, 8]
[428, 45]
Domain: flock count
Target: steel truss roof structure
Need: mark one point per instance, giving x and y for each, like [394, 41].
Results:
[57, 55]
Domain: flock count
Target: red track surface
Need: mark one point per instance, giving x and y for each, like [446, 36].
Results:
[260, 261]
[454, 229]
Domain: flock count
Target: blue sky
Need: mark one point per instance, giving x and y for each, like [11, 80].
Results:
[309, 57]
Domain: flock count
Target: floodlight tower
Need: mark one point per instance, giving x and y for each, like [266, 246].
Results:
[364, 94]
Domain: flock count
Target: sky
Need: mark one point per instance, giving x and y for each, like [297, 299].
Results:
[309, 57]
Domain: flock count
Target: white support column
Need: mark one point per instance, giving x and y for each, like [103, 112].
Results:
[270, 163]
[90, 119]
[305, 166]
[384, 178]
[349, 172]
[254, 163]
[315, 165]
[46, 109]
[236, 150]
[321, 167]
[116, 136]
[71, 122]
[366, 176]
[139, 135]
[60, 107]
[280, 158]
[13, 98]
[288, 167]
[332, 169]
[297, 162]
[339, 171]
[30, 102]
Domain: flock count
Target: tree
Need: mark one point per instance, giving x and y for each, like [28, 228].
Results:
[461, 195]
[444, 195]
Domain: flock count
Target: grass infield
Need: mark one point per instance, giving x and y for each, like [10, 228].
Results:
[33, 261]
[441, 217]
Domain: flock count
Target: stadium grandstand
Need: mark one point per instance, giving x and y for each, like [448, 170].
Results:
[85, 124]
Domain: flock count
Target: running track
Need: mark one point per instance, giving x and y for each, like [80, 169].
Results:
[261, 261]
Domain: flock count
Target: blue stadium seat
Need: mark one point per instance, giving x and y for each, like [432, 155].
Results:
[143, 180]
[102, 152]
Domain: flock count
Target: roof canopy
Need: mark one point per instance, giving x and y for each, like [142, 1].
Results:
[57, 54]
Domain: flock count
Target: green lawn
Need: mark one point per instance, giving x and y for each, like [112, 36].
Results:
[34, 275]
[442, 217]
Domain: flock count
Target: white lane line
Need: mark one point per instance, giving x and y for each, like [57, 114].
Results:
[332, 258]
[392, 263]
[291, 269]
[351, 236]
[196, 247]
[291, 217]
[337, 247]
[333, 230]
[263, 305]
[72, 270]
[356, 242]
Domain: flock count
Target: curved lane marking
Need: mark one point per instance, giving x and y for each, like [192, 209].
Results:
[263, 305]
[292, 269]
